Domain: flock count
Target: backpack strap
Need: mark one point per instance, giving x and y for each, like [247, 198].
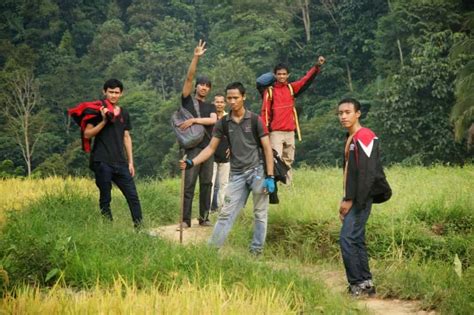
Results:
[290, 87]
[196, 108]
[253, 123]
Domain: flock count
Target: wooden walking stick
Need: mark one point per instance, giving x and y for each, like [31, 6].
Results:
[183, 173]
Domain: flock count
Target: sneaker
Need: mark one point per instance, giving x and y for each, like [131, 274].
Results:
[183, 225]
[368, 288]
[255, 253]
[355, 290]
[206, 223]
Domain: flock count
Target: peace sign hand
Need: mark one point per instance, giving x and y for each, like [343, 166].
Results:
[200, 50]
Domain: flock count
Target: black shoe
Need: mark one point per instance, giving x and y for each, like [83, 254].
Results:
[206, 223]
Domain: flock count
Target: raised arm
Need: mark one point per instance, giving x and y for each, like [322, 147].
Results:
[188, 83]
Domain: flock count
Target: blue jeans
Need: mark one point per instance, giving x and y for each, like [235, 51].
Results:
[236, 195]
[105, 174]
[352, 242]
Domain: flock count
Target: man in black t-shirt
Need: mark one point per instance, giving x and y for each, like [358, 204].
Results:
[204, 114]
[220, 176]
[111, 156]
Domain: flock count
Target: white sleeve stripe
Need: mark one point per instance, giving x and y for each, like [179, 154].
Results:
[367, 149]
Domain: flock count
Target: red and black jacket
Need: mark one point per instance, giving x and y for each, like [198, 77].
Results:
[365, 177]
[85, 112]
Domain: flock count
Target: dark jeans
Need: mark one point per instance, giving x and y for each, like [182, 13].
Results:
[204, 171]
[105, 174]
[352, 241]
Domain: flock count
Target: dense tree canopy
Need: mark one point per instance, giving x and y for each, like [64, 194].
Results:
[410, 63]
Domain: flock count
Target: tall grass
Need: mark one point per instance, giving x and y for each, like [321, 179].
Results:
[125, 298]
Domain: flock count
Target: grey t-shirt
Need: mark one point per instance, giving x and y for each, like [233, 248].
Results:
[245, 151]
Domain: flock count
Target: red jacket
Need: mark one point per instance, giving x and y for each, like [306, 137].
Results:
[277, 112]
[84, 112]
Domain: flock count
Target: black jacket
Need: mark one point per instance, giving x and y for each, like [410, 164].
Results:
[365, 176]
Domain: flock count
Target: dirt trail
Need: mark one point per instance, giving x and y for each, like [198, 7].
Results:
[334, 280]
[194, 234]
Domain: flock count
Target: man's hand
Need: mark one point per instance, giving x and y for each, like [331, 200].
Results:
[344, 209]
[131, 169]
[269, 185]
[200, 50]
[185, 164]
[188, 123]
[103, 113]
[321, 60]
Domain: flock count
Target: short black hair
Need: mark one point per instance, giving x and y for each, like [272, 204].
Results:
[112, 84]
[351, 100]
[281, 66]
[219, 95]
[236, 85]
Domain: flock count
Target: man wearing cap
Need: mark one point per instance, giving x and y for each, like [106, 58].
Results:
[204, 114]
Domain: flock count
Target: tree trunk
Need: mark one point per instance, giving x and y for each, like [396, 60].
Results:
[349, 77]
[306, 20]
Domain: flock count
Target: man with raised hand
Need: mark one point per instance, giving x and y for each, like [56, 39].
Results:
[247, 137]
[279, 112]
[205, 114]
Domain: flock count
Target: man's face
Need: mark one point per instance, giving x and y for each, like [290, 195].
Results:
[219, 102]
[282, 75]
[113, 95]
[203, 89]
[347, 115]
[235, 99]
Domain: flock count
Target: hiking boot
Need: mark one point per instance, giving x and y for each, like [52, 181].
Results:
[206, 223]
[183, 225]
[368, 288]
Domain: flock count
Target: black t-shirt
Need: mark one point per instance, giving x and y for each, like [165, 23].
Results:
[108, 143]
[205, 109]
[220, 156]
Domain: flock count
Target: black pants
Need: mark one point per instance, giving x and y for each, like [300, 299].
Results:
[105, 174]
[204, 171]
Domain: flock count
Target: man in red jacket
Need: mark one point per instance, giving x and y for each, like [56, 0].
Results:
[279, 113]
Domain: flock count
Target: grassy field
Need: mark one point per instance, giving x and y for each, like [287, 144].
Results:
[58, 256]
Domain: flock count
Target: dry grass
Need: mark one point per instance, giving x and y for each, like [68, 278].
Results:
[17, 193]
[123, 298]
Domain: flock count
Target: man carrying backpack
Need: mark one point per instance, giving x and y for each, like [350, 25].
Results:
[279, 113]
[246, 134]
[204, 114]
[364, 184]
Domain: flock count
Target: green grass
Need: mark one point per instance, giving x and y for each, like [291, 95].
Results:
[412, 241]
[61, 235]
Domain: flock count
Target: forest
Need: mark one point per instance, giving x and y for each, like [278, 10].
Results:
[410, 62]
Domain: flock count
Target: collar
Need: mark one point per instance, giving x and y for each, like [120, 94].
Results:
[247, 115]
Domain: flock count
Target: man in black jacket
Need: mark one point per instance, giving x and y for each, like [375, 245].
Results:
[362, 171]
